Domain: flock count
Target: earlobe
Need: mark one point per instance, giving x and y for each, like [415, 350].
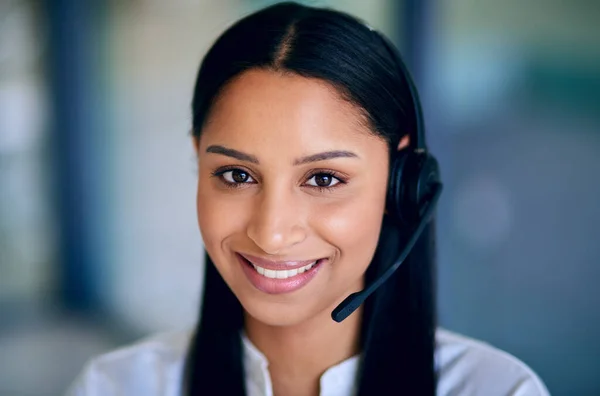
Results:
[404, 142]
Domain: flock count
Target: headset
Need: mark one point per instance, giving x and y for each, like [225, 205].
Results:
[414, 188]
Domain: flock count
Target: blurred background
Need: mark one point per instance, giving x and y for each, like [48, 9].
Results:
[98, 238]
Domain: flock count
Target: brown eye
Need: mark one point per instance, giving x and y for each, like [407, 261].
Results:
[323, 180]
[237, 176]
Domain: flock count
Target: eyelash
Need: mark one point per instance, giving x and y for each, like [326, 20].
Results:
[340, 179]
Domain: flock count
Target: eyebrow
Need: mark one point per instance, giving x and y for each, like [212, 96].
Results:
[325, 156]
[217, 149]
[232, 153]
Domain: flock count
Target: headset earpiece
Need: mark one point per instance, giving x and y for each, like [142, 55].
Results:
[413, 175]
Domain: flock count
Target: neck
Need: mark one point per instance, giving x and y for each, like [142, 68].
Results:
[298, 355]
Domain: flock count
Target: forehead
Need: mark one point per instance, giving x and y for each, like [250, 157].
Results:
[262, 106]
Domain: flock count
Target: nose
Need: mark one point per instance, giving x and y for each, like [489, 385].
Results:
[276, 224]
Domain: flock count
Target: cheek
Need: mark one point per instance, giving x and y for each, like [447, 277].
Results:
[354, 227]
[218, 217]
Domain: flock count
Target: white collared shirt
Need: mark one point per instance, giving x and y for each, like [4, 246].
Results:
[154, 367]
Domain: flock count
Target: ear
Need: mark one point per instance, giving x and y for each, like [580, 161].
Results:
[404, 142]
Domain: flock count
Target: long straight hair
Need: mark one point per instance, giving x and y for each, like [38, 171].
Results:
[399, 321]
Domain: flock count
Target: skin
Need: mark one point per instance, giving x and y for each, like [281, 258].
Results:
[278, 214]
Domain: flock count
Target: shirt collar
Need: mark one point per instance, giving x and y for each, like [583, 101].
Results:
[338, 380]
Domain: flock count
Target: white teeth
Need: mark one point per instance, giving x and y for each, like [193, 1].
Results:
[284, 274]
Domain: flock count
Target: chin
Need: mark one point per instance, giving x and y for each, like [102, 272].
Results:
[280, 313]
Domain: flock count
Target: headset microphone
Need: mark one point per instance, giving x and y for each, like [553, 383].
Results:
[353, 301]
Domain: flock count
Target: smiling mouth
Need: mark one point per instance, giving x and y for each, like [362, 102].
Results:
[283, 273]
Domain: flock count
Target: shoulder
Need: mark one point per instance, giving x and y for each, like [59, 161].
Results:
[470, 367]
[151, 366]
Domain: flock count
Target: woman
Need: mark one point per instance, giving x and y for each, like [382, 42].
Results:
[313, 178]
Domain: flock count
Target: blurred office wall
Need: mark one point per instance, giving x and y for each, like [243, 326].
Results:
[512, 91]
[26, 232]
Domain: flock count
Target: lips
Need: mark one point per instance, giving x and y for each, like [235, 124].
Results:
[276, 277]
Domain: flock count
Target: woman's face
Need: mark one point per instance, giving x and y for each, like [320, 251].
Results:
[289, 176]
